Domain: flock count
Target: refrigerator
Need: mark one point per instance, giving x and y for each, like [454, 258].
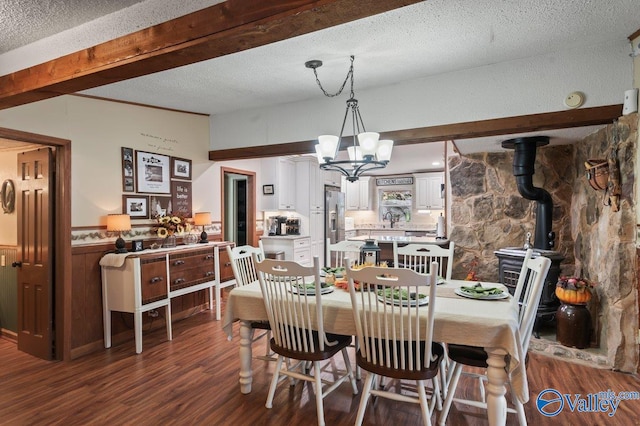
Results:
[334, 214]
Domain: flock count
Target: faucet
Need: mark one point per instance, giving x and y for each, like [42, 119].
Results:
[390, 217]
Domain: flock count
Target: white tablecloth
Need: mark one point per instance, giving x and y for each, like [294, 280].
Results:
[489, 324]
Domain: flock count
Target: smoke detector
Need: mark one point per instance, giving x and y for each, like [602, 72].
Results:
[574, 99]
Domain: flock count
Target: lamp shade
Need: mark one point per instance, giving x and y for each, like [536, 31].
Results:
[321, 159]
[202, 219]
[328, 146]
[118, 222]
[368, 142]
[383, 153]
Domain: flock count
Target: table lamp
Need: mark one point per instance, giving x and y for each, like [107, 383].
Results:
[118, 223]
[202, 219]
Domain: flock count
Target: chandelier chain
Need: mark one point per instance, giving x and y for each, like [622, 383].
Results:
[344, 83]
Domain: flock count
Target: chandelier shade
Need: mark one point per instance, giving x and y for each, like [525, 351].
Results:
[366, 151]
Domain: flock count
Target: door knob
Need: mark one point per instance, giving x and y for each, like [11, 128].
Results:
[16, 264]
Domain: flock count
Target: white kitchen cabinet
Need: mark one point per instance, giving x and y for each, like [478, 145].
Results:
[296, 248]
[358, 194]
[331, 177]
[310, 202]
[316, 232]
[429, 191]
[281, 173]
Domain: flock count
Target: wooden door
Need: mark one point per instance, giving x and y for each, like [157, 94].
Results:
[34, 259]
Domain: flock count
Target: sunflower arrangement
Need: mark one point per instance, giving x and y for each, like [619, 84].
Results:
[170, 225]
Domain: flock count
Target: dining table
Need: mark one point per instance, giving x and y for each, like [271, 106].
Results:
[491, 324]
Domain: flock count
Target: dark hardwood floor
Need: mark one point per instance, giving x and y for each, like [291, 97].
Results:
[194, 380]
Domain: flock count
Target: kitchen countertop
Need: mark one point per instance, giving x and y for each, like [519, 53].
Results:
[284, 237]
[401, 239]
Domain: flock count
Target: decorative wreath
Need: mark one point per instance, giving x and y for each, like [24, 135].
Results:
[8, 196]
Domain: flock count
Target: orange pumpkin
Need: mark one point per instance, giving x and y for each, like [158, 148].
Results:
[570, 295]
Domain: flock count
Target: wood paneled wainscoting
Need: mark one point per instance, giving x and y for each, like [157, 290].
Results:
[86, 302]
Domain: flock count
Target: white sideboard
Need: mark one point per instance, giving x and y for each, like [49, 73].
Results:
[142, 281]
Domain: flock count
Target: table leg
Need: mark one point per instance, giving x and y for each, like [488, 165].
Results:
[217, 287]
[168, 320]
[246, 375]
[106, 318]
[137, 330]
[497, 377]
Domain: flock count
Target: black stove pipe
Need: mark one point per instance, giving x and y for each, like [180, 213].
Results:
[523, 169]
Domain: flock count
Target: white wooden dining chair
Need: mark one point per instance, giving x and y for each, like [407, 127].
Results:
[419, 256]
[528, 292]
[244, 271]
[395, 335]
[335, 258]
[337, 252]
[297, 325]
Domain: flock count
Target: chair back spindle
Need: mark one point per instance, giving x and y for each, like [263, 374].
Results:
[419, 257]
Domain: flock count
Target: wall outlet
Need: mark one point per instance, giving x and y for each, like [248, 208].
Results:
[153, 313]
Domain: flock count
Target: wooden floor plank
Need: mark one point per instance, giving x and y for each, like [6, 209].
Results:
[194, 380]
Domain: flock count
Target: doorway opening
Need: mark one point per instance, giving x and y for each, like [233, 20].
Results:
[238, 206]
[61, 233]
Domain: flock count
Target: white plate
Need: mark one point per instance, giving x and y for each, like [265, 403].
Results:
[463, 293]
[439, 281]
[312, 291]
[403, 302]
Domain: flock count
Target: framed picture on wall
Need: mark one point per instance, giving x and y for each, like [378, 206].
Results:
[267, 189]
[128, 183]
[136, 206]
[160, 205]
[152, 173]
[180, 168]
[181, 198]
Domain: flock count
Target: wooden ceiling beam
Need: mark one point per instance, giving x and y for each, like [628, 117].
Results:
[228, 27]
[469, 130]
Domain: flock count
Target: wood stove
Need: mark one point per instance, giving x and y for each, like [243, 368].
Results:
[511, 259]
[510, 263]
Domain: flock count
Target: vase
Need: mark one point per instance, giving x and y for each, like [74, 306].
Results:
[573, 325]
[169, 241]
[190, 239]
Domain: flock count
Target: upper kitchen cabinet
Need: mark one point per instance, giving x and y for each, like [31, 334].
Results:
[331, 177]
[281, 173]
[429, 191]
[358, 193]
[310, 184]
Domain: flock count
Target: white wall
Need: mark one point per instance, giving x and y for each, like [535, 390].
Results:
[526, 86]
[97, 130]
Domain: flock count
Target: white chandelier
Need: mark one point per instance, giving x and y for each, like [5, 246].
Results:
[366, 151]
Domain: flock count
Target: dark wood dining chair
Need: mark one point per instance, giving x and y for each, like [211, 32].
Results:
[394, 314]
[293, 301]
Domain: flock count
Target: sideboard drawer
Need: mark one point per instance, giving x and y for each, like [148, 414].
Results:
[153, 279]
[193, 276]
[183, 261]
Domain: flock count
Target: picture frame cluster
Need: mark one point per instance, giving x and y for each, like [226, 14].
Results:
[155, 184]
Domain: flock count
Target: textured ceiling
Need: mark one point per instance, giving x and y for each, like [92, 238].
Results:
[426, 39]
[25, 21]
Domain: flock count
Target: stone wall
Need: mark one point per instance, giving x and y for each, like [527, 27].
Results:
[488, 213]
[605, 240]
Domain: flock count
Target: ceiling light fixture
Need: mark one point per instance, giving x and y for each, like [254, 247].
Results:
[366, 152]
